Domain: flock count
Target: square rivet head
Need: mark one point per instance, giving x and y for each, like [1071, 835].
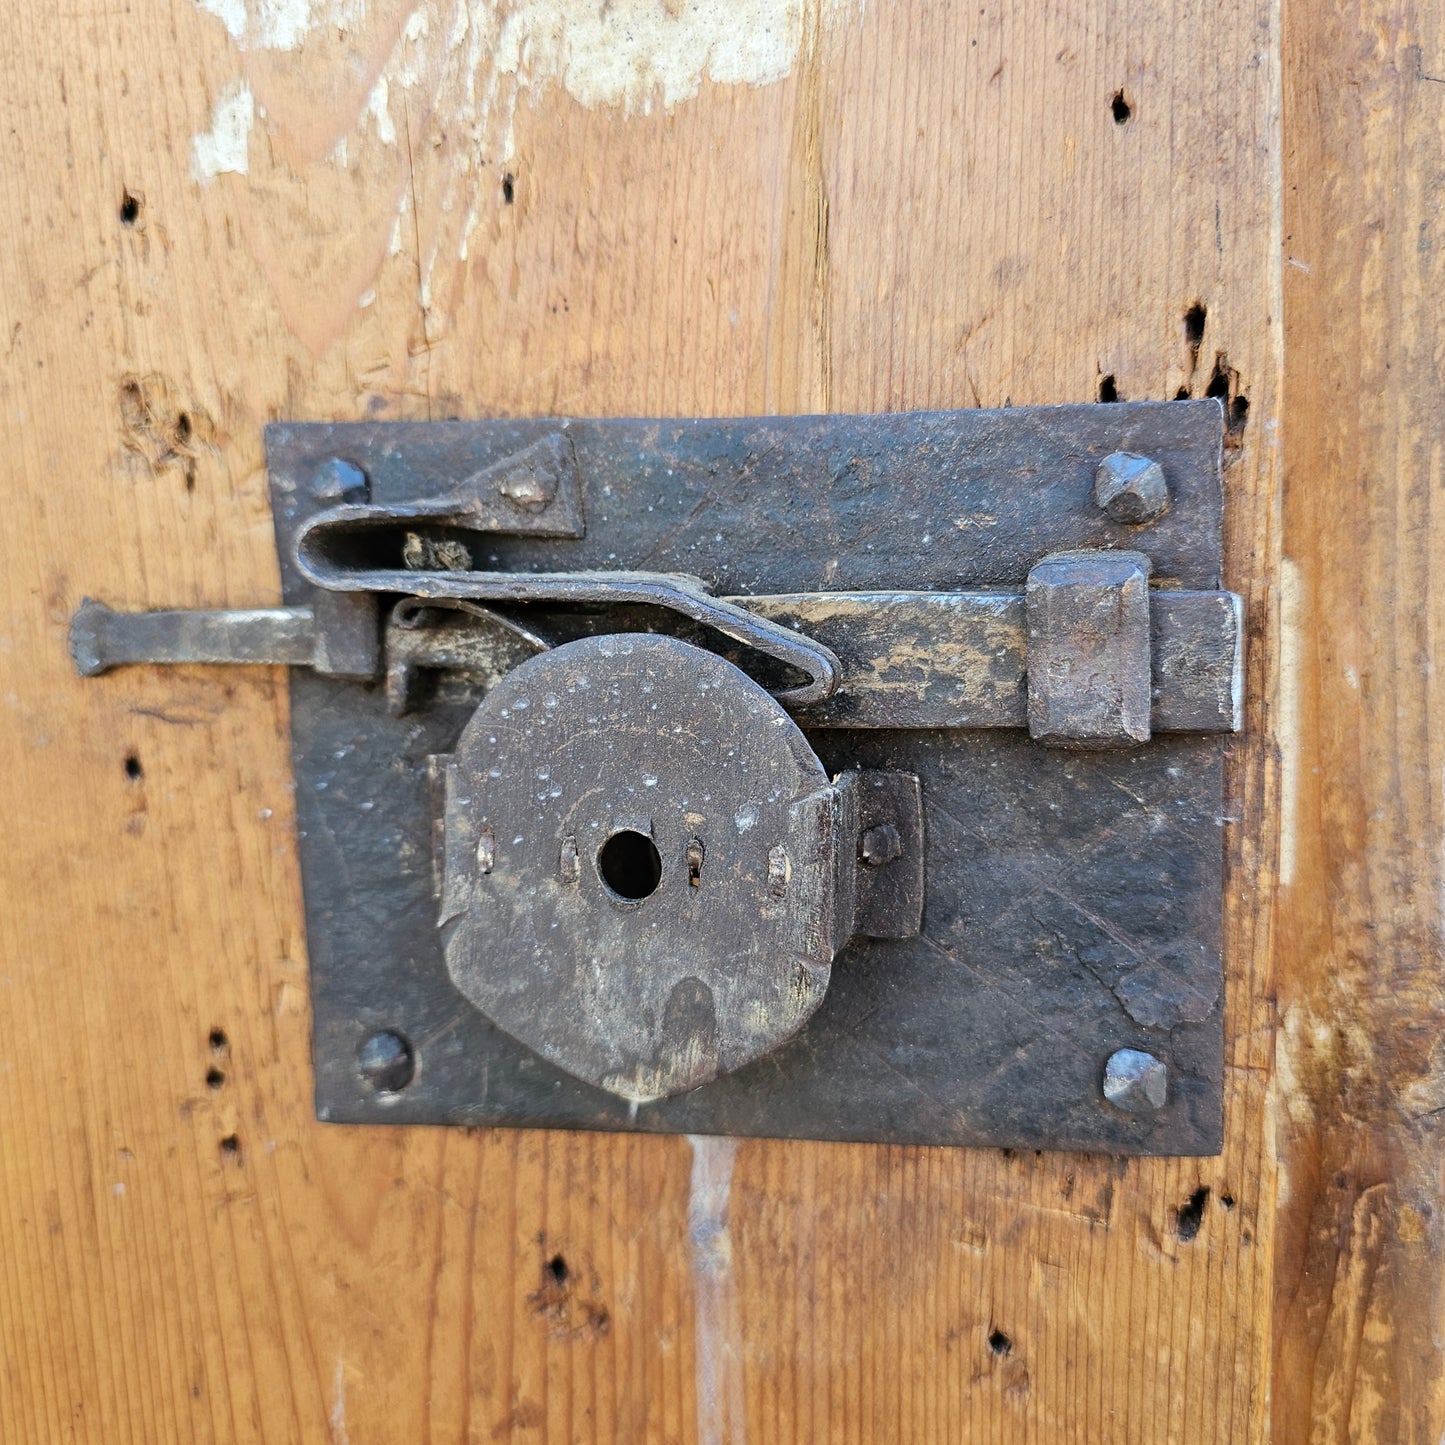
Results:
[1088, 649]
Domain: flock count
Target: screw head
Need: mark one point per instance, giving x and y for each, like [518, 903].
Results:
[386, 1062]
[880, 845]
[337, 480]
[1130, 488]
[1136, 1081]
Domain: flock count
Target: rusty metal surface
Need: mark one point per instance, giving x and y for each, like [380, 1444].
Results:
[641, 878]
[1072, 900]
[906, 659]
[884, 812]
[960, 659]
[1089, 669]
[101, 638]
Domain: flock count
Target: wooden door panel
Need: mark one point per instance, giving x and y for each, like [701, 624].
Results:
[876, 207]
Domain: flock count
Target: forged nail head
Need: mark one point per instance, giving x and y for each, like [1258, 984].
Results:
[337, 480]
[386, 1062]
[1130, 488]
[1136, 1081]
[880, 845]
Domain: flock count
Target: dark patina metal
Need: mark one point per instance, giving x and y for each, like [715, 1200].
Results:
[1089, 643]
[871, 573]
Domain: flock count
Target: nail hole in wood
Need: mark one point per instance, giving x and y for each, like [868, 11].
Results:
[1190, 1215]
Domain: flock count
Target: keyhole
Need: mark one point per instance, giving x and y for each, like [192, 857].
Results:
[630, 865]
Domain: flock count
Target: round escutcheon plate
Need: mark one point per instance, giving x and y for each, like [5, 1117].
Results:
[640, 864]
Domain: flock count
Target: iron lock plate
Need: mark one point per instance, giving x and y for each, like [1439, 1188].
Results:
[1072, 899]
[843, 777]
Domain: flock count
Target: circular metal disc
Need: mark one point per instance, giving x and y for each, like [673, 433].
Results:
[640, 878]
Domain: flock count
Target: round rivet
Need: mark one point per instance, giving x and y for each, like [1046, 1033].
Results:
[1130, 488]
[386, 1062]
[880, 845]
[337, 480]
[1135, 1081]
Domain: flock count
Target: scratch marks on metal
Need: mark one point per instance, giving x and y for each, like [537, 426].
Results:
[717, 1337]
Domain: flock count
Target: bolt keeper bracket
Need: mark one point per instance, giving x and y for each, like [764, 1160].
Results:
[828, 777]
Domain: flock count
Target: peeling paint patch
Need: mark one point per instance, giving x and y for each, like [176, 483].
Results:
[226, 146]
[632, 54]
[231, 14]
[280, 24]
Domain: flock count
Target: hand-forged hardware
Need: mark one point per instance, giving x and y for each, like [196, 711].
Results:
[706, 791]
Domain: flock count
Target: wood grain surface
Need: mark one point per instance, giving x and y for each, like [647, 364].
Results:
[922, 205]
[1360, 1318]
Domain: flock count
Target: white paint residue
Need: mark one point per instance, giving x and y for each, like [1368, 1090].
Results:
[231, 14]
[1287, 716]
[226, 145]
[717, 1338]
[633, 51]
[633, 54]
[380, 112]
[338, 1405]
[280, 24]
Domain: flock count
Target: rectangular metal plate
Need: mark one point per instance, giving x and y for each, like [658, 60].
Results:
[1072, 902]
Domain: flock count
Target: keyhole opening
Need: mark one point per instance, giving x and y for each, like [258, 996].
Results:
[630, 864]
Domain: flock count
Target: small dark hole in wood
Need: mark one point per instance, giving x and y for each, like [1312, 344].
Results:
[218, 1039]
[1227, 1200]
[129, 209]
[509, 188]
[214, 1078]
[133, 769]
[1000, 1343]
[231, 1147]
[1108, 391]
[1121, 108]
[1190, 1215]
[1194, 320]
[1182, 394]
[557, 1270]
[183, 427]
[1238, 413]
